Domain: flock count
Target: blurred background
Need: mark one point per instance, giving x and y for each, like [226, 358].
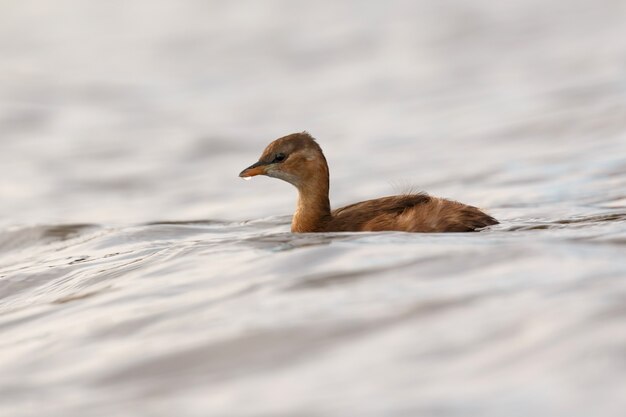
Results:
[120, 113]
[131, 111]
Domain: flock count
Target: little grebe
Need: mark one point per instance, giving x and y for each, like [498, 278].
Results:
[299, 160]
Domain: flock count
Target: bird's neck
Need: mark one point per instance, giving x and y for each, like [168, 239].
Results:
[313, 210]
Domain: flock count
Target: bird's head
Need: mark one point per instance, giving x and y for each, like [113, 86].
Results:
[295, 158]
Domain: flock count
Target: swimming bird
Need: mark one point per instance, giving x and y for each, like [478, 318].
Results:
[299, 160]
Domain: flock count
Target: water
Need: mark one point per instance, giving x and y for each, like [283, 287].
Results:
[139, 276]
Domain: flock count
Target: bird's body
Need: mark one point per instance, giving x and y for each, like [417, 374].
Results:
[299, 160]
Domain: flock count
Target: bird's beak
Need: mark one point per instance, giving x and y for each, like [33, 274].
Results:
[254, 169]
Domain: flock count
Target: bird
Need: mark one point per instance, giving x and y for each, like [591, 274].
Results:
[298, 159]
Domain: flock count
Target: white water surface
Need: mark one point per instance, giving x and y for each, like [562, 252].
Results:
[139, 276]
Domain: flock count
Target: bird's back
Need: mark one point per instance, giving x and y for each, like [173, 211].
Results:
[408, 213]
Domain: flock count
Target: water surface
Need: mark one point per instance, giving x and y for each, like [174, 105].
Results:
[140, 277]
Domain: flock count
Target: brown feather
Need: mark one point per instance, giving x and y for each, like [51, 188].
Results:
[305, 167]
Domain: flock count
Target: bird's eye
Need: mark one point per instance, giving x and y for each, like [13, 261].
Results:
[280, 157]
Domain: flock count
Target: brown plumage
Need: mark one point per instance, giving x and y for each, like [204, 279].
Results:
[299, 160]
